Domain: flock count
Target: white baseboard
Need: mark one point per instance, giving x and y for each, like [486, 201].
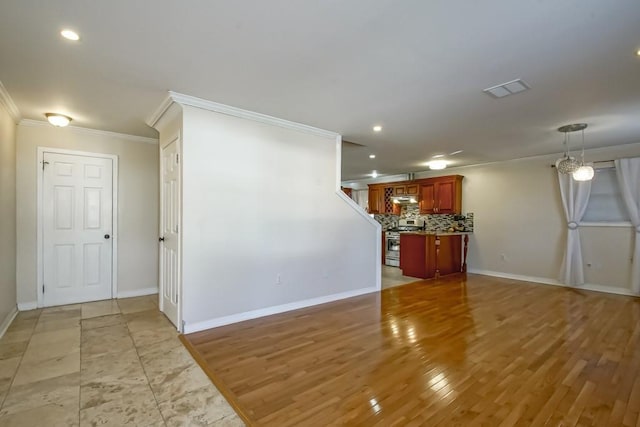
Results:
[26, 306]
[254, 314]
[7, 321]
[554, 282]
[138, 292]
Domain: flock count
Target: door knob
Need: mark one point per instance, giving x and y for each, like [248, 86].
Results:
[106, 236]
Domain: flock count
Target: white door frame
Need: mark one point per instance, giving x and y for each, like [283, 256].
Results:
[40, 219]
[177, 138]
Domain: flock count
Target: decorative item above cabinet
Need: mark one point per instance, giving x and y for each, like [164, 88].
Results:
[440, 195]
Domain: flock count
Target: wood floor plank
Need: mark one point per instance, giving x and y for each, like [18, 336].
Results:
[472, 350]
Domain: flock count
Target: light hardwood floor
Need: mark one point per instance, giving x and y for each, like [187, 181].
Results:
[480, 351]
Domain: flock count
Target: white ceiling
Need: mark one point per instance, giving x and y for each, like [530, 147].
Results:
[415, 67]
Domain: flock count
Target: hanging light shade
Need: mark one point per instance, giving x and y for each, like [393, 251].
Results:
[567, 164]
[584, 173]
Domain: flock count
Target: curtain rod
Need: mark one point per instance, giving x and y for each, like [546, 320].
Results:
[597, 161]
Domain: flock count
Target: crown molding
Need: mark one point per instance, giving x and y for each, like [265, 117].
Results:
[7, 101]
[153, 119]
[204, 104]
[134, 138]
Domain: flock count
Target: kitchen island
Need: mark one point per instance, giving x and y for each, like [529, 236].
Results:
[431, 254]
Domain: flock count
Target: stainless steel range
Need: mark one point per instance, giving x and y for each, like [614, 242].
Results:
[392, 239]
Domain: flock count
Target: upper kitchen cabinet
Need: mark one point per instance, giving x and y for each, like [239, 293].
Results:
[406, 190]
[375, 200]
[380, 199]
[347, 191]
[442, 195]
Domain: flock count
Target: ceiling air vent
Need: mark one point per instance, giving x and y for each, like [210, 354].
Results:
[506, 89]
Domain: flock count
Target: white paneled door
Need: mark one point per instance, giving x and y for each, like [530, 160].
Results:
[170, 231]
[77, 200]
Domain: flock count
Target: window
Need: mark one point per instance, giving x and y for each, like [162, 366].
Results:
[605, 203]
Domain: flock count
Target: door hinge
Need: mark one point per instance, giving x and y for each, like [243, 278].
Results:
[43, 288]
[177, 157]
[43, 164]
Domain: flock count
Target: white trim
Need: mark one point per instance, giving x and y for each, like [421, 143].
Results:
[7, 102]
[553, 282]
[204, 104]
[138, 292]
[177, 138]
[7, 321]
[624, 224]
[78, 129]
[254, 314]
[155, 117]
[40, 221]
[360, 212]
[26, 306]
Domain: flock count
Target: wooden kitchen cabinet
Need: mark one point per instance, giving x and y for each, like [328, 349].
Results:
[375, 199]
[380, 199]
[347, 191]
[406, 190]
[427, 256]
[442, 195]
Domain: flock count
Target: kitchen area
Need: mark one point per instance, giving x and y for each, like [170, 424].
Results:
[424, 233]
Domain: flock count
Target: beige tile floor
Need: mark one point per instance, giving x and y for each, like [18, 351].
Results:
[106, 363]
[392, 276]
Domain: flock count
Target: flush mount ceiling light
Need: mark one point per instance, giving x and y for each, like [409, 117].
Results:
[59, 120]
[372, 156]
[70, 35]
[437, 164]
[377, 128]
[374, 174]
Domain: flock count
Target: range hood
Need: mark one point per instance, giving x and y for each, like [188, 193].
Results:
[404, 200]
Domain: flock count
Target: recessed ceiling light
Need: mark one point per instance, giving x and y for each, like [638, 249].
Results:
[437, 156]
[377, 128]
[372, 156]
[638, 52]
[374, 174]
[455, 152]
[70, 35]
[59, 120]
[437, 164]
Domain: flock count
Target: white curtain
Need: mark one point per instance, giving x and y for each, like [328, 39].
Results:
[628, 172]
[575, 195]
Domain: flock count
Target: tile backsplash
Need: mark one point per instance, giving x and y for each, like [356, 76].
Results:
[434, 222]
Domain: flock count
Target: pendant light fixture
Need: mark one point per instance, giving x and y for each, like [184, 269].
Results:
[567, 164]
[584, 172]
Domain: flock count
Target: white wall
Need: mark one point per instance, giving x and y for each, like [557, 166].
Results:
[137, 203]
[7, 218]
[518, 214]
[260, 202]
